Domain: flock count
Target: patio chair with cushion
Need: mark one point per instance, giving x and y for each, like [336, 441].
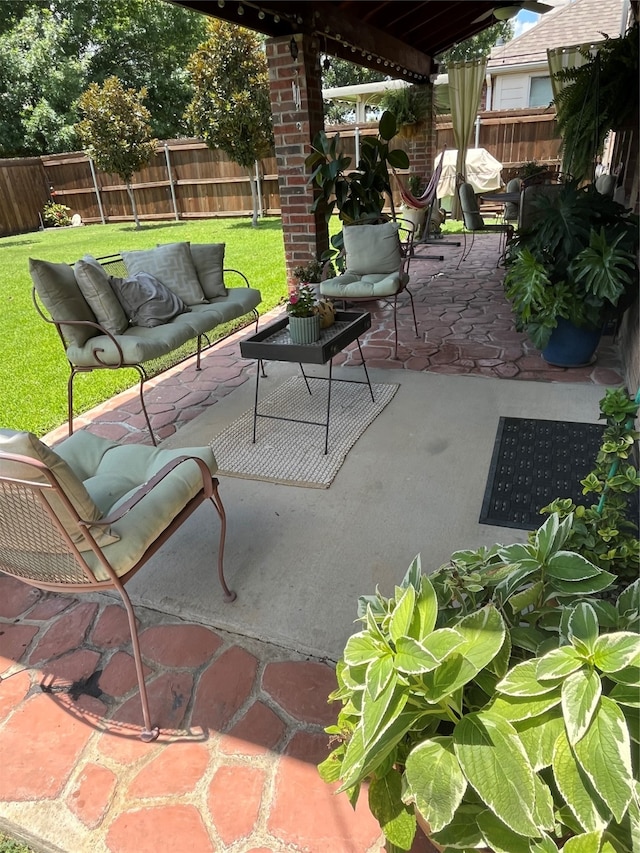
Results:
[87, 516]
[474, 223]
[377, 261]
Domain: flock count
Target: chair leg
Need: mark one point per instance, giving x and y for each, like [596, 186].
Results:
[148, 733]
[229, 594]
[395, 323]
[143, 376]
[413, 311]
[464, 249]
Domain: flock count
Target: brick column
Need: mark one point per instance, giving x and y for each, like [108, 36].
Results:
[296, 107]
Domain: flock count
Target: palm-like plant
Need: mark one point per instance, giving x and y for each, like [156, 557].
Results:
[578, 262]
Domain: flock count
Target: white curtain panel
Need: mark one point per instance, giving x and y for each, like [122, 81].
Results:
[465, 87]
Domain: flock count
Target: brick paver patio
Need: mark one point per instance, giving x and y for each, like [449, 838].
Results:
[242, 722]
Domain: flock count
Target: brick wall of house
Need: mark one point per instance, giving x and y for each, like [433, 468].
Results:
[296, 102]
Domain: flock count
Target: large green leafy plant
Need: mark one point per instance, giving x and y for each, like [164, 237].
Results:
[578, 262]
[605, 532]
[490, 699]
[357, 194]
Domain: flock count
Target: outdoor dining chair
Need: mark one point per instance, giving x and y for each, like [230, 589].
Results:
[377, 258]
[474, 223]
[87, 516]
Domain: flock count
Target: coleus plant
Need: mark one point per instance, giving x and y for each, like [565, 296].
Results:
[495, 704]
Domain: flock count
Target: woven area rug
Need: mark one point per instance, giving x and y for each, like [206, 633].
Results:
[293, 453]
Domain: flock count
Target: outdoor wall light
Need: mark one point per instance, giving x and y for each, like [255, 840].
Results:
[293, 49]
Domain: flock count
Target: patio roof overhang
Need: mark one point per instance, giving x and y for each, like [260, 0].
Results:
[396, 37]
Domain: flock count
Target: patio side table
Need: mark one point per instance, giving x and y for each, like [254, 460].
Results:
[273, 343]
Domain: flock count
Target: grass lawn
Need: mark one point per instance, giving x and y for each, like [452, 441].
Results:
[8, 845]
[33, 369]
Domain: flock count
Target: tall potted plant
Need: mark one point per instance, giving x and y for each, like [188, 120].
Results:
[357, 194]
[572, 271]
[494, 703]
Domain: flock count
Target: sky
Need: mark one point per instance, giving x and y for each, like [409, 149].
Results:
[524, 21]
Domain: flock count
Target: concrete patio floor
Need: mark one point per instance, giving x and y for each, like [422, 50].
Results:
[242, 721]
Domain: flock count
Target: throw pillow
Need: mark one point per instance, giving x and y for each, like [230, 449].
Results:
[93, 281]
[27, 444]
[372, 249]
[172, 265]
[146, 301]
[208, 259]
[58, 289]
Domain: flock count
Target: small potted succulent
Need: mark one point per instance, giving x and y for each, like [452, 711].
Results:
[304, 319]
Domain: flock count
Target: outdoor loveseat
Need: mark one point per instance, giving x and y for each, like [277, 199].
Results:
[145, 310]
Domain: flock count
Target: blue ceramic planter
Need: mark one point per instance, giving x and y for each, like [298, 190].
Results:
[571, 346]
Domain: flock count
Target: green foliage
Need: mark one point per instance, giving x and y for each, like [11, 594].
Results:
[8, 845]
[343, 73]
[311, 272]
[357, 194]
[578, 262]
[604, 532]
[231, 109]
[479, 45]
[491, 698]
[408, 105]
[56, 215]
[600, 95]
[115, 130]
[51, 52]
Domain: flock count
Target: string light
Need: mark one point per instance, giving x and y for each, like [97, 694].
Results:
[240, 10]
[261, 15]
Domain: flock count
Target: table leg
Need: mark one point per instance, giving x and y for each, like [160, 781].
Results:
[255, 402]
[326, 434]
[304, 376]
[366, 372]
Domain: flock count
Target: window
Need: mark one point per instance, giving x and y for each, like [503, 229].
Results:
[540, 92]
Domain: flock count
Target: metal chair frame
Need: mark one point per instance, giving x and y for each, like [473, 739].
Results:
[114, 265]
[405, 238]
[62, 567]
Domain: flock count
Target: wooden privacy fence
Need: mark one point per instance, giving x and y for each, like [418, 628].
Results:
[187, 180]
[184, 180]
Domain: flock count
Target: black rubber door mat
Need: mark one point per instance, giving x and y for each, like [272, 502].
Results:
[533, 462]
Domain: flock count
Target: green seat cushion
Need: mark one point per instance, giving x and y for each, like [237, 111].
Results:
[372, 249]
[349, 286]
[171, 264]
[138, 344]
[112, 473]
[238, 302]
[27, 444]
[60, 294]
[94, 284]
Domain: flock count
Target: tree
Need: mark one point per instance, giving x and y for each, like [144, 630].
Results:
[115, 131]
[478, 45]
[339, 73]
[52, 50]
[231, 108]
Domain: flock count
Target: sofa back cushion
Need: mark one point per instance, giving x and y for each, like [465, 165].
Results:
[372, 249]
[27, 444]
[172, 265]
[208, 259]
[94, 284]
[146, 301]
[60, 294]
